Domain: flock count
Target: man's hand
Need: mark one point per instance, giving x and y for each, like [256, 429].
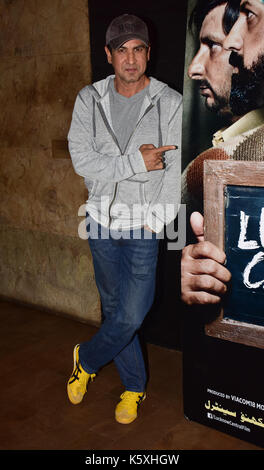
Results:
[203, 276]
[153, 157]
[146, 227]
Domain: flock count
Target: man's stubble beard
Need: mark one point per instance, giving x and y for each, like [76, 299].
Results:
[220, 105]
[247, 91]
[132, 78]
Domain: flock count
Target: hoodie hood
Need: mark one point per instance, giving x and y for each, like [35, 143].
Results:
[155, 90]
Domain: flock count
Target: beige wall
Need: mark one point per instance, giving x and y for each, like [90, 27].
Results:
[45, 61]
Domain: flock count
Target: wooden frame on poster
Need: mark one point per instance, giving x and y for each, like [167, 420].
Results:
[218, 174]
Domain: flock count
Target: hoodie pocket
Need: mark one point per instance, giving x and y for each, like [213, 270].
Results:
[101, 190]
[153, 186]
[130, 192]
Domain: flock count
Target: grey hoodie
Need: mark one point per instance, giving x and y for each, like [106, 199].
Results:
[120, 187]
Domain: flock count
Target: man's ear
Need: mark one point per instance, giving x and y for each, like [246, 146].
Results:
[108, 55]
[148, 53]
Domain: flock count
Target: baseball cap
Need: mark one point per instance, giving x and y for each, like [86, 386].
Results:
[126, 27]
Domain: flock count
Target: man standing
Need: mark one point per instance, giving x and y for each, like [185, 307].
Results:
[121, 128]
[204, 277]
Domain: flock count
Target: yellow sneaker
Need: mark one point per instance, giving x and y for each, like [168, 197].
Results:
[126, 409]
[77, 384]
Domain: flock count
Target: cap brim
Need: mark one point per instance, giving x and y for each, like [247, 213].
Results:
[116, 43]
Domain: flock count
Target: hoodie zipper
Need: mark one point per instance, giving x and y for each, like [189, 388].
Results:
[127, 144]
[116, 141]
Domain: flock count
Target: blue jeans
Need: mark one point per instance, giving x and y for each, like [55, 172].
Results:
[125, 274]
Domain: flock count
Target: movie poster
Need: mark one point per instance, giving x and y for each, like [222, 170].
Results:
[223, 122]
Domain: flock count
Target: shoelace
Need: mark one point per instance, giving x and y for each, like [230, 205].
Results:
[75, 373]
[128, 397]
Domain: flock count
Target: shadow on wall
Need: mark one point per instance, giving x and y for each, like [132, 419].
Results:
[167, 27]
[45, 61]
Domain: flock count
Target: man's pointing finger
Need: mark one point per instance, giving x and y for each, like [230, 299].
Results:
[165, 148]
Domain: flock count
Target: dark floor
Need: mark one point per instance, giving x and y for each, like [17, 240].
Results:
[35, 363]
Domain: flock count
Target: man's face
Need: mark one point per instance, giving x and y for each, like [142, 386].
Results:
[246, 41]
[247, 35]
[210, 66]
[129, 61]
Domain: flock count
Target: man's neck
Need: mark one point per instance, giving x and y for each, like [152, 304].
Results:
[130, 89]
